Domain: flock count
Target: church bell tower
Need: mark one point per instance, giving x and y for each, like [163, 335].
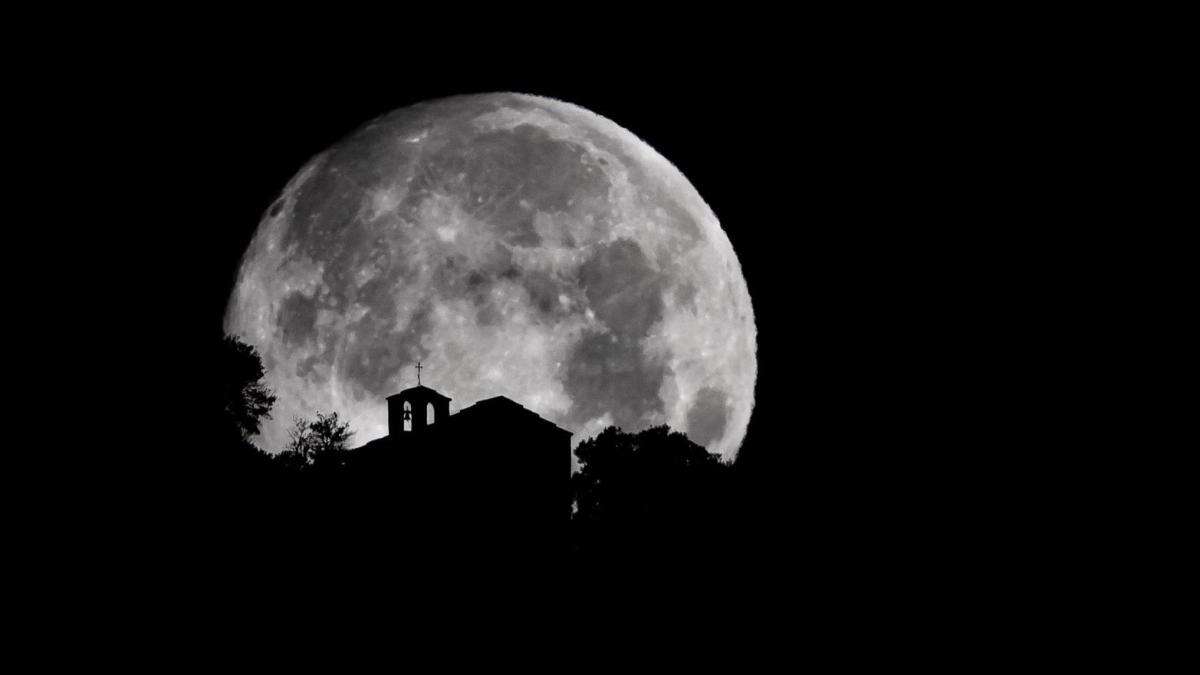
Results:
[415, 409]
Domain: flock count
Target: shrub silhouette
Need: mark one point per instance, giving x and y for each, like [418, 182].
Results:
[320, 443]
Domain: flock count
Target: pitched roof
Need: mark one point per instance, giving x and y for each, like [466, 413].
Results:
[421, 390]
[504, 406]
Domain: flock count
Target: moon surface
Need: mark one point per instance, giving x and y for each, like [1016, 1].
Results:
[515, 245]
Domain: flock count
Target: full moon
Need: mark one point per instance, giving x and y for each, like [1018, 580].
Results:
[514, 245]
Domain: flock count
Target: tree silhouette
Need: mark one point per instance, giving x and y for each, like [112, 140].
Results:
[320, 443]
[246, 398]
[655, 489]
[651, 495]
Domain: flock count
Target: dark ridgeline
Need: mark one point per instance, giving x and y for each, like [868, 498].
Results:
[484, 496]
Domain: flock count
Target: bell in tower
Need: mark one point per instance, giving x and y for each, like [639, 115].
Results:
[430, 407]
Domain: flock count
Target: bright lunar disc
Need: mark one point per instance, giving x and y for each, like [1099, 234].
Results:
[516, 246]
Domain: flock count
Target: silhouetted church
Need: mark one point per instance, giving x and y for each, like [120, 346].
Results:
[495, 464]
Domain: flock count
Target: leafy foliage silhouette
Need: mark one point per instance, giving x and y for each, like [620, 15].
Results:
[653, 494]
[653, 491]
[320, 443]
[246, 397]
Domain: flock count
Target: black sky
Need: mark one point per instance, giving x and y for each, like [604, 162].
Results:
[884, 186]
[779, 149]
[815, 160]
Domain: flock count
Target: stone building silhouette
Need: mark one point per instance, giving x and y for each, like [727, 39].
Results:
[494, 467]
